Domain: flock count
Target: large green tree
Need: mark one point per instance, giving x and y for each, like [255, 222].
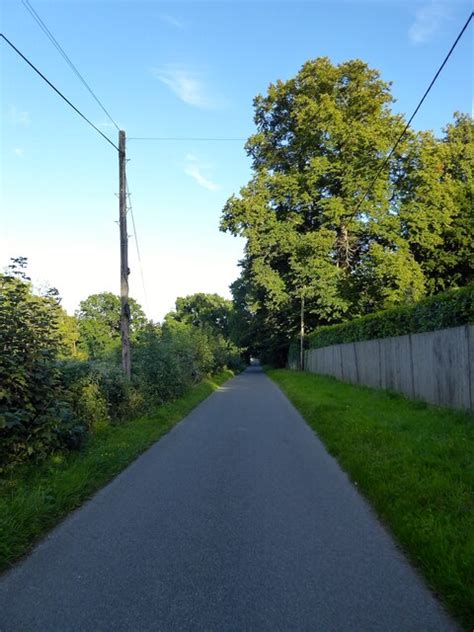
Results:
[434, 202]
[208, 311]
[69, 334]
[321, 138]
[98, 320]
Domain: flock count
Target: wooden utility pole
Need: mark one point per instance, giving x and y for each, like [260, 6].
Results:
[124, 270]
[302, 333]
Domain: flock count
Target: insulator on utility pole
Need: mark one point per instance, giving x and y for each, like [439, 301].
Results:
[124, 270]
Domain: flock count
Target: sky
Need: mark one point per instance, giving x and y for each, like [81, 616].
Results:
[178, 69]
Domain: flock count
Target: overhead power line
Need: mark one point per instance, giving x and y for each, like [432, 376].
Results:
[62, 52]
[173, 138]
[390, 154]
[58, 92]
[135, 235]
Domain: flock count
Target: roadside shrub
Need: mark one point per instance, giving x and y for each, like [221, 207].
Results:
[90, 404]
[99, 393]
[115, 388]
[137, 402]
[50, 397]
[71, 432]
[449, 309]
[226, 354]
[23, 437]
[167, 361]
[34, 417]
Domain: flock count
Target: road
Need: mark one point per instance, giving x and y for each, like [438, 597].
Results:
[237, 520]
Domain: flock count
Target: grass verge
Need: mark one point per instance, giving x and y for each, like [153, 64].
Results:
[34, 498]
[413, 462]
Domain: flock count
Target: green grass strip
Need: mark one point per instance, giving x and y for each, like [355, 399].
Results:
[413, 462]
[33, 499]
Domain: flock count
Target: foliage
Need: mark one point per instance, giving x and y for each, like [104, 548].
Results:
[434, 197]
[98, 393]
[98, 319]
[34, 418]
[51, 396]
[449, 309]
[164, 363]
[321, 139]
[68, 331]
[33, 498]
[206, 311]
[170, 358]
[413, 462]
[90, 403]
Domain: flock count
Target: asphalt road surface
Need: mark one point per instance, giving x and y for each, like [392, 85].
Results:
[239, 520]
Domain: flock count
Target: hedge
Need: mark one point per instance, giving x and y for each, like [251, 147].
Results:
[449, 309]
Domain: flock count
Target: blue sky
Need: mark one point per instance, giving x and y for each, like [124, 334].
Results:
[178, 69]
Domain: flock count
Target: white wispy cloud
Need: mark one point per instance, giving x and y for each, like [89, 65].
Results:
[18, 117]
[19, 151]
[105, 125]
[172, 21]
[427, 22]
[187, 84]
[194, 169]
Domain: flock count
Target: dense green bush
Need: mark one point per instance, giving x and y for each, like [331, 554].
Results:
[61, 378]
[449, 309]
[35, 418]
[84, 392]
[90, 403]
[98, 393]
[168, 359]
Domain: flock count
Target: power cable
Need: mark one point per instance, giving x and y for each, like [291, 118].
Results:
[57, 91]
[130, 208]
[379, 171]
[62, 52]
[65, 56]
[179, 138]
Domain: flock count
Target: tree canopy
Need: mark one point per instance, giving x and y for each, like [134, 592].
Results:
[209, 311]
[436, 192]
[98, 319]
[311, 232]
